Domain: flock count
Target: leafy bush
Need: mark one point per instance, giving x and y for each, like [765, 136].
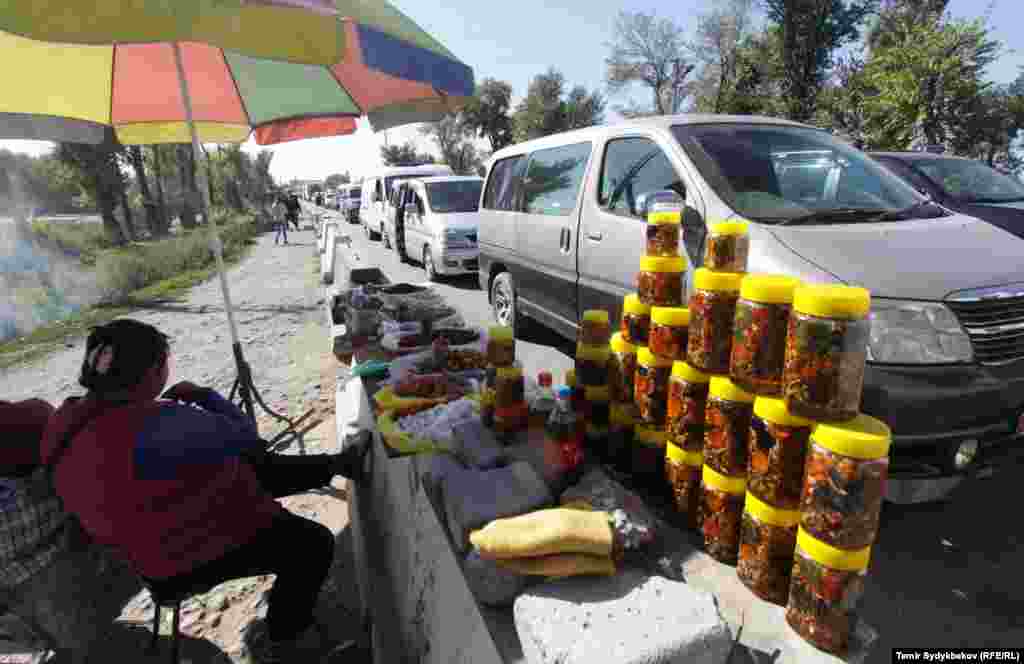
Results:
[84, 240]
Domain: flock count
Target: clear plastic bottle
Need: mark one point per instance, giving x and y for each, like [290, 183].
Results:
[543, 402]
[563, 439]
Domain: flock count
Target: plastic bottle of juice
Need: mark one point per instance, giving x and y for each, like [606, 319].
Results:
[543, 402]
[563, 439]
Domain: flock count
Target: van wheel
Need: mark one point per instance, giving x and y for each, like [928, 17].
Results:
[386, 240]
[503, 300]
[428, 264]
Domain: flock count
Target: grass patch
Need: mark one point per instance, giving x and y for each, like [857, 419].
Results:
[85, 240]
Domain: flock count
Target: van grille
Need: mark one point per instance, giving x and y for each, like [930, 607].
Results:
[995, 326]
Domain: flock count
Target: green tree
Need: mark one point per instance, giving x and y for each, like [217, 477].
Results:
[404, 155]
[95, 169]
[892, 13]
[454, 139]
[547, 110]
[335, 180]
[653, 53]
[718, 46]
[487, 113]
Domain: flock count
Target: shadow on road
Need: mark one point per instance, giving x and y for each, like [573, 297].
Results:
[533, 333]
[467, 282]
[176, 307]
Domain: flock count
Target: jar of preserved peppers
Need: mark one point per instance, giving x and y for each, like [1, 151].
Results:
[669, 332]
[595, 440]
[664, 228]
[727, 246]
[660, 282]
[595, 329]
[578, 402]
[622, 368]
[650, 387]
[509, 387]
[501, 346]
[683, 471]
[599, 404]
[487, 397]
[592, 364]
[622, 421]
[759, 337]
[712, 312]
[511, 420]
[687, 398]
[825, 590]
[826, 351]
[767, 543]
[778, 452]
[721, 511]
[648, 459]
[727, 419]
[636, 320]
[844, 482]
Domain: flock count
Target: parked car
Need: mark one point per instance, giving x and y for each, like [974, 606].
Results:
[349, 197]
[375, 207]
[963, 185]
[562, 228]
[436, 224]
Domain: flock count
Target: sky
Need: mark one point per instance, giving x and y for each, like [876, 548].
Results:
[525, 37]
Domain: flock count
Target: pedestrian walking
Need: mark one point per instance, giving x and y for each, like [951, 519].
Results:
[281, 220]
[294, 208]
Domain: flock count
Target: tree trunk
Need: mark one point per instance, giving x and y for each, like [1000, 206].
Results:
[106, 204]
[189, 189]
[128, 219]
[153, 211]
[164, 227]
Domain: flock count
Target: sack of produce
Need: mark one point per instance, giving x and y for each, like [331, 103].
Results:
[560, 565]
[546, 532]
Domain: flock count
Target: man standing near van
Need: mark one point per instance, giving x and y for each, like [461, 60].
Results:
[294, 208]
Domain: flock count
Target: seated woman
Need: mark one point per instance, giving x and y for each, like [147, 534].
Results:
[181, 485]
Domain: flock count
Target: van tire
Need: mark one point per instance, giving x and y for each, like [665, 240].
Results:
[503, 301]
[428, 265]
[386, 240]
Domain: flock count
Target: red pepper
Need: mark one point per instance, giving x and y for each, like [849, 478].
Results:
[711, 528]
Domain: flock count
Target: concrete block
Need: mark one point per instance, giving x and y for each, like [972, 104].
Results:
[490, 584]
[474, 498]
[477, 447]
[629, 618]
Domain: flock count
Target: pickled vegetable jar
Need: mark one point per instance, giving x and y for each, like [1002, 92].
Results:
[664, 228]
[648, 461]
[721, 513]
[592, 364]
[650, 387]
[622, 368]
[767, 544]
[595, 328]
[727, 246]
[509, 420]
[623, 419]
[501, 346]
[687, 398]
[759, 332]
[596, 439]
[683, 470]
[727, 427]
[712, 312]
[636, 320]
[844, 482]
[778, 451]
[669, 332]
[660, 281]
[825, 591]
[598, 404]
[509, 388]
[826, 350]
[487, 397]
[577, 391]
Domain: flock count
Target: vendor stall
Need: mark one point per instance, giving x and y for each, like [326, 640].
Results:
[474, 543]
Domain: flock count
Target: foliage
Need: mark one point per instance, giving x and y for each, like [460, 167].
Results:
[718, 46]
[404, 155]
[96, 171]
[455, 141]
[487, 113]
[547, 109]
[335, 180]
[892, 13]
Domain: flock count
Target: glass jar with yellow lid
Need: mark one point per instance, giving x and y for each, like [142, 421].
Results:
[682, 472]
[727, 246]
[577, 390]
[687, 399]
[509, 387]
[595, 328]
[826, 351]
[648, 459]
[650, 387]
[598, 399]
[727, 427]
[669, 332]
[636, 320]
[844, 481]
[721, 512]
[661, 280]
[712, 313]
[767, 543]
[825, 590]
[592, 364]
[621, 368]
[501, 346]
[778, 453]
[664, 227]
[623, 419]
[759, 337]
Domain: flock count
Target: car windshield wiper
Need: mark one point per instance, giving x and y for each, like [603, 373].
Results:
[824, 216]
[905, 213]
[992, 201]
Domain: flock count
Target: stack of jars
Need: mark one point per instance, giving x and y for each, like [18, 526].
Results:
[624, 416]
[501, 357]
[592, 373]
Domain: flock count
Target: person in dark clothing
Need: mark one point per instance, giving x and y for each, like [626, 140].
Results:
[182, 486]
[294, 208]
[319, 200]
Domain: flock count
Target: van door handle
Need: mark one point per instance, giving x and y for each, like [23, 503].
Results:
[563, 239]
[596, 237]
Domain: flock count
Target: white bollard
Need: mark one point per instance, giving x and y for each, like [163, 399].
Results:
[327, 259]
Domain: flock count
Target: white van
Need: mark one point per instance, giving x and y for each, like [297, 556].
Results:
[436, 224]
[374, 207]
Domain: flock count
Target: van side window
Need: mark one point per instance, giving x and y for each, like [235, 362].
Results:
[553, 179]
[503, 185]
[632, 167]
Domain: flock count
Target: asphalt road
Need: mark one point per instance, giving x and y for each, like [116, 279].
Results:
[946, 574]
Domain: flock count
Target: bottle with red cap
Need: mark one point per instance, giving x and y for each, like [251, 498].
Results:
[543, 402]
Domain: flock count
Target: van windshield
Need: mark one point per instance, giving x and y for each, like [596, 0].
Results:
[355, 193]
[454, 196]
[970, 181]
[787, 175]
[392, 182]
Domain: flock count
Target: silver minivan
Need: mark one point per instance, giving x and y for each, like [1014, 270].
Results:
[561, 231]
[437, 224]
[375, 208]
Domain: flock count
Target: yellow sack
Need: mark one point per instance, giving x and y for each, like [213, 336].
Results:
[560, 565]
[404, 443]
[545, 532]
[387, 401]
[578, 504]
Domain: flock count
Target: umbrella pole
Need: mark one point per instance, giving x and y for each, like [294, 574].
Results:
[247, 391]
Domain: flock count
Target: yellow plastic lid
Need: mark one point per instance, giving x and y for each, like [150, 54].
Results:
[593, 353]
[597, 393]
[662, 264]
[765, 513]
[775, 411]
[570, 377]
[631, 304]
[708, 280]
[672, 316]
[725, 389]
[681, 369]
[729, 228]
[645, 357]
[509, 373]
[659, 217]
[675, 453]
[829, 556]
[501, 334]
[716, 480]
[863, 437]
[620, 345]
[624, 414]
[596, 316]
[769, 288]
[832, 301]
[651, 436]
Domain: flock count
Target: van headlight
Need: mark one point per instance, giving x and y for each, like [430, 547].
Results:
[908, 332]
